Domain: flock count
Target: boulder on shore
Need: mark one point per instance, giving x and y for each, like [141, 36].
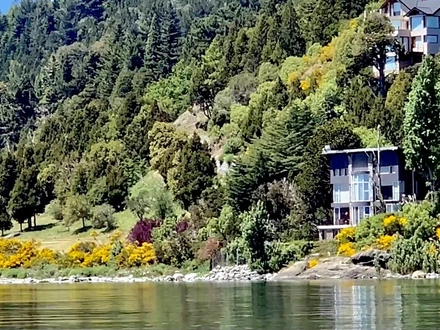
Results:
[331, 268]
[418, 274]
[371, 258]
[296, 269]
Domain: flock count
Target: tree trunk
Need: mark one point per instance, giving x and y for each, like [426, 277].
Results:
[35, 221]
[382, 79]
[3, 232]
[84, 223]
[21, 227]
[30, 223]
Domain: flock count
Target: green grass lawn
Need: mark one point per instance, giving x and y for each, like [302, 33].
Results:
[52, 234]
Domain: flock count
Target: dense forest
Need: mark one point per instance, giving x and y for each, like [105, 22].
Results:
[206, 118]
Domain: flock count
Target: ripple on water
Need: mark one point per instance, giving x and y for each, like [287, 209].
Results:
[328, 305]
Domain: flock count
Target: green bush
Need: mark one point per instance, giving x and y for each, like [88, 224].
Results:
[421, 220]
[281, 254]
[103, 216]
[369, 230]
[15, 273]
[409, 255]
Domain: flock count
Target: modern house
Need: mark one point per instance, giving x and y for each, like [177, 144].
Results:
[361, 179]
[417, 27]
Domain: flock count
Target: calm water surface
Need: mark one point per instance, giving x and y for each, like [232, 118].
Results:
[327, 305]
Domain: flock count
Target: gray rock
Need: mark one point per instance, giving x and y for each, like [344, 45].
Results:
[432, 276]
[73, 279]
[296, 269]
[418, 274]
[370, 258]
[168, 279]
[178, 277]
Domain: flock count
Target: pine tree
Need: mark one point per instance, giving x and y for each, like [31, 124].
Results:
[5, 219]
[290, 38]
[24, 201]
[195, 172]
[283, 142]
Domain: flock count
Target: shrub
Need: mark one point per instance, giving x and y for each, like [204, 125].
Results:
[346, 235]
[100, 256]
[103, 216]
[25, 254]
[385, 242]
[325, 247]
[77, 209]
[422, 220]
[55, 210]
[78, 252]
[175, 250]
[394, 224]
[143, 230]
[369, 230]
[346, 249]
[209, 249]
[409, 255]
[256, 230]
[281, 254]
[182, 226]
[136, 256]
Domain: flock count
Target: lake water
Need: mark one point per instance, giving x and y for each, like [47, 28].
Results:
[326, 305]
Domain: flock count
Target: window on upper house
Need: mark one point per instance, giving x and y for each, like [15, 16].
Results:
[391, 208]
[431, 39]
[405, 43]
[360, 213]
[417, 23]
[386, 169]
[417, 44]
[361, 188]
[387, 192]
[339, 172]
[396, 9]
[396, 23]
[432, 22]
[396, 191]
[341, 193]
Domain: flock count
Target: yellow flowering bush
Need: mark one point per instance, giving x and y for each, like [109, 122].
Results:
[432, 250]
[26, 254]
[437, 233]
[15, 253]
[99, 256]
[384, 242]
[135, 256]
[346, 249]
[346, 235]
[394, 224]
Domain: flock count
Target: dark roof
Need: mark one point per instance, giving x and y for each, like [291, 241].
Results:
[427, 6]
[408, 3]
[354, 151]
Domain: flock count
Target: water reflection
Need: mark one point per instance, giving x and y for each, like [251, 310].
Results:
[337, 305]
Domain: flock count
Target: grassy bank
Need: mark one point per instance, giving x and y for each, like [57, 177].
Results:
[54, 235]
[51, 271]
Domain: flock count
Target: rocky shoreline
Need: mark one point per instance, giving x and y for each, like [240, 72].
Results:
[240, 273]
[364, 265]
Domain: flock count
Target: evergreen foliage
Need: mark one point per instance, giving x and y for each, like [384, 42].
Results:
[208, 115]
